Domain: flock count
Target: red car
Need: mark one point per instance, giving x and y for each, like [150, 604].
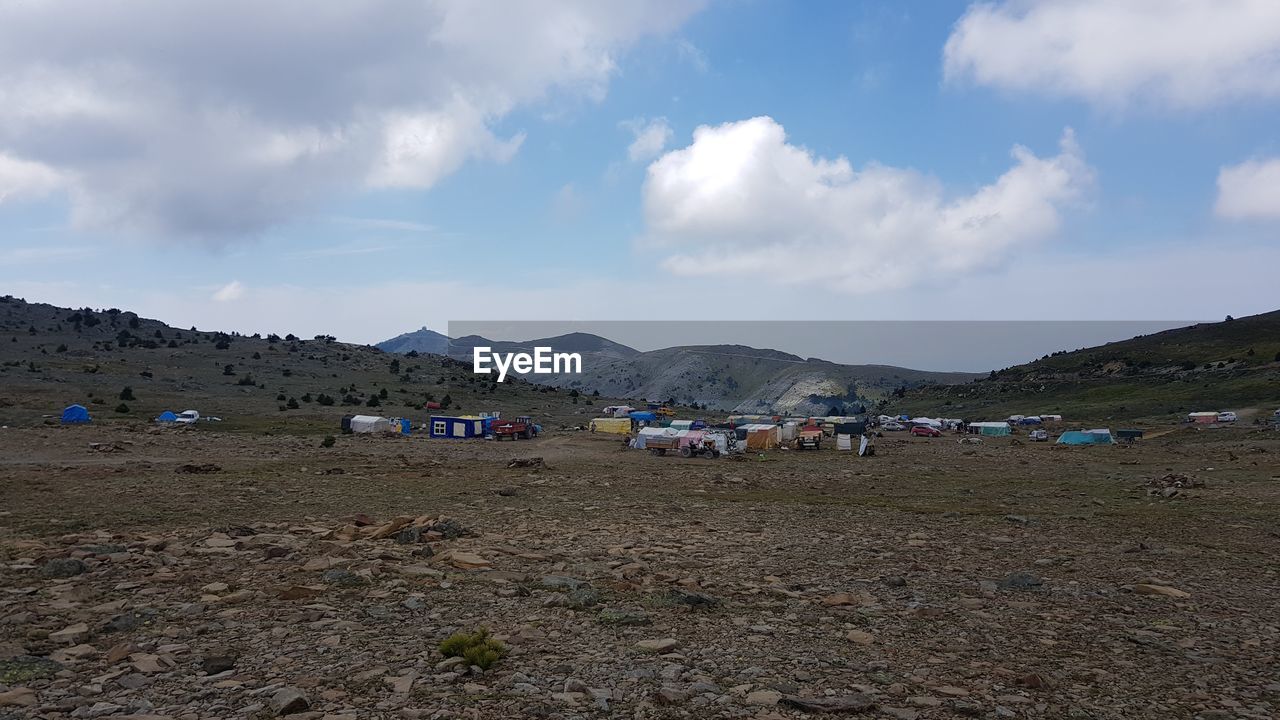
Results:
[926, 431]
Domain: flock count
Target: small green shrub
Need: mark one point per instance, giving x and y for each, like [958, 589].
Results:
[479, 648]
[328, 441]
[122, 409]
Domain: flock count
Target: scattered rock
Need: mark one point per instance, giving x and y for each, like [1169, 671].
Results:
[289, 700]
[342, 578]
[855, 703]
[62, 568]
[1164, 590]
[662, 645]
[1021, 580]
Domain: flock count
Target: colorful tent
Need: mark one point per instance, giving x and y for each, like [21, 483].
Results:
[75, 415]
[166, 417]
[617, 426]
[1086, 437]
[760, 436]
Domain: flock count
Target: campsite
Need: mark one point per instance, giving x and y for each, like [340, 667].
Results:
[259, 561]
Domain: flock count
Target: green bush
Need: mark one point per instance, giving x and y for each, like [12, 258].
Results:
[328, 441]
[479, 648]
[122, 409]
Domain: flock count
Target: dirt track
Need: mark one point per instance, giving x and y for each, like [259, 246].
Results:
[933, 580]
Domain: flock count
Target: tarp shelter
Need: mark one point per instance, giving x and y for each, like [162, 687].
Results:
[617, 411]
[1128, 435]
[851, 428]
[617, 426]
[927, 422]
[760, 436]
[1086, 437]
[681, 424]
[443, 426]
[166, 417]
[990, 429]
[75, 415]
[364, 424]
[1204, 418]
[643, 416]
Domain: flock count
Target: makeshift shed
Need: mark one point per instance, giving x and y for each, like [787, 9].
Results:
[1128, 435]
[166, 417]
[990, 429]
[643, 416]
[75, 415]
[617, 426]
[444, 426]
[1086, 437]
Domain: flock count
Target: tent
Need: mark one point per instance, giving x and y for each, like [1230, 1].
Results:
[760, 436]
[363, 424]
[467, 426]
[1086, 437]
[617, 411]
[617, 426]
[75, 415]
[1203, 417]
[927, 422]
[166, 417]
[994, 429]
[850, 428]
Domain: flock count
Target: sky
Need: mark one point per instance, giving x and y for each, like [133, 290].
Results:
[387, 165]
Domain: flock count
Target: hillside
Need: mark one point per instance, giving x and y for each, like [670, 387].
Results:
[419, 341]
[731, 378]
[58, 356]
[1230, 365]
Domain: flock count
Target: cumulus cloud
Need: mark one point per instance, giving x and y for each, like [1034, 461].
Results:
[1249, 191]
[23, 179]
[233, 290]
[1183, 53]
[651, 138]
[218, 120]
[742, 201]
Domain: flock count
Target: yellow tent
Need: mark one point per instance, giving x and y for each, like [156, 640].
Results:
[617, 426]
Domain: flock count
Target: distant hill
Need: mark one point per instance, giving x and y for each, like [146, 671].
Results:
[1231, 365]
[420, 341]
[732, 378]
[128, 369]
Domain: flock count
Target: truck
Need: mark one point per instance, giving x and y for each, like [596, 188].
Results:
[660, 444]
[810, 436]
[521, 427]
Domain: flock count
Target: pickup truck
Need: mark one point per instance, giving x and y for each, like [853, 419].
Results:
[521, 427]
[1039, 436]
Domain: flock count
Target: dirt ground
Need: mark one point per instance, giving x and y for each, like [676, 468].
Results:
[153, 573]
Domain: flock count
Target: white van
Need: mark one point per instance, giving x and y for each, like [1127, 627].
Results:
[187, 417]
[1226, 416]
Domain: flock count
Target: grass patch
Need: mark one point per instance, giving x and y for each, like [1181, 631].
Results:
[479, 648]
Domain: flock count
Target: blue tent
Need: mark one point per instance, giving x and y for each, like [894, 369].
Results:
[166, 416]
[1086, 437]
[75, 415]
[643, 416]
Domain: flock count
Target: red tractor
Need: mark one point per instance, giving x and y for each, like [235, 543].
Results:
[519, 428]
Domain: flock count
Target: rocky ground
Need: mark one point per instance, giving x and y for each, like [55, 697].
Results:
[205, 575]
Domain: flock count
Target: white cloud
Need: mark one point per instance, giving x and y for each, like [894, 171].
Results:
[1179, 53]
[651, 138]
[568, 204]
[741, 201]
[219, 120]
[44, 254]
[23, 179]
[1249, 191]
[232, 291]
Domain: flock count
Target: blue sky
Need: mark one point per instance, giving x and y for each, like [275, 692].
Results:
[855, 155]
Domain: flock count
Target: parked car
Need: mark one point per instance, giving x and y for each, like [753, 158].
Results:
[1227, 416]
[926, 431]
[187, 417]
[893, 425]
[1039, 435]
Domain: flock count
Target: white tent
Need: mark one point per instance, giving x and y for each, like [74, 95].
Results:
[371, 424]
[931, 422]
